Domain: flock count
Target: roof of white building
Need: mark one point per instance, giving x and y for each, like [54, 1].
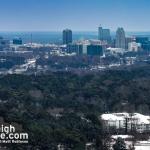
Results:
[111, 117]
[121, 136]
[142, 119]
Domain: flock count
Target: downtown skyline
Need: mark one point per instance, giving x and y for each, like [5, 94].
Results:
[79, 15]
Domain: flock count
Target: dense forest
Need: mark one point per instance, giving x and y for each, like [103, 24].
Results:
[65, 108]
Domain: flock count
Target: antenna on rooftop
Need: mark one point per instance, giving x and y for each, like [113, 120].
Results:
[31, 39]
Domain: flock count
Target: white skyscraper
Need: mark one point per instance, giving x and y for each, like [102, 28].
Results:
[120, 38]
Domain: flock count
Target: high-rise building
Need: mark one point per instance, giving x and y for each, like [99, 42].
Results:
[104, 34]
[120, 38]
[67, 36]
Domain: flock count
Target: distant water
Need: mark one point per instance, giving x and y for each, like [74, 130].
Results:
[56, 37]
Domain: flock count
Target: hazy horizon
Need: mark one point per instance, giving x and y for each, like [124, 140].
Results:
[75, 31]
[56, 37]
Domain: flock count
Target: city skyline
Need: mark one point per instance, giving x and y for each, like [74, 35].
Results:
[85, 15]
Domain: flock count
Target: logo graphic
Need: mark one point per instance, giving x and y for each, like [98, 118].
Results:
[8, 134]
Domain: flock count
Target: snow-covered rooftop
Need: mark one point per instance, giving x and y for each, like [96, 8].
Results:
[111, 117]
[121, 136]
[142, 119]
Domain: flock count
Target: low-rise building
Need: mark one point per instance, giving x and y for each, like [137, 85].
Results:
[115, 51]
[133, 46]
[133, 121]
[4, 44]
[94, 50]
[17, 41]
[87, 47]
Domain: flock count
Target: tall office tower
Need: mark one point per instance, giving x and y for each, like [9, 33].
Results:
[120, 38]
[67, 36]
[104, 34]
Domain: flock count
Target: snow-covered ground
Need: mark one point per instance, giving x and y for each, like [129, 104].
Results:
[139, 145]
[142, 147]
[121, 136]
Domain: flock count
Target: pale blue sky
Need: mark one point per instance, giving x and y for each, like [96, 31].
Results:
[79, 15]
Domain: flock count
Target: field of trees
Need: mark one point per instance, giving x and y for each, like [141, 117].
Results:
[64, 108]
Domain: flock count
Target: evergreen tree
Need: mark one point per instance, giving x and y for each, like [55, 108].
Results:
[119, 145]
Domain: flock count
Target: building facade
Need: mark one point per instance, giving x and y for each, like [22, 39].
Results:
[145, 43]
[104, 34]
[94, 50]
[75, 48]
[128, 40]
[17, 41]
[4, 44]
[131, 122]
[67, 36]
[120, 38]
[133, 46]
